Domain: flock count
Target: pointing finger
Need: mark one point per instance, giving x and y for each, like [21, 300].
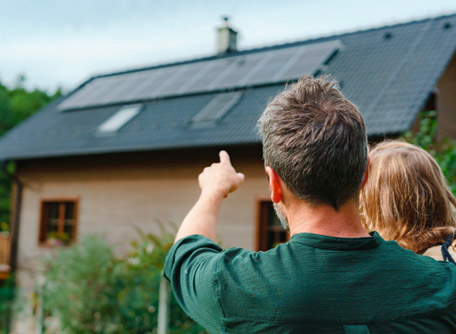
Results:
[241, 177]
[224, 157]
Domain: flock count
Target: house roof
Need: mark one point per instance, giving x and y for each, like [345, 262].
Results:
[388, 72]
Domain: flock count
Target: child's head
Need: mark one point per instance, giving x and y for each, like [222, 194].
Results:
[406, 197]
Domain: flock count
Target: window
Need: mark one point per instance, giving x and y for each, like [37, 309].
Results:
[269, 230]
[216, 109]
[119, 119]
[58, 222]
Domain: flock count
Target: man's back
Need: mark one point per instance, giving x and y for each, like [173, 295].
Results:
[332, 276]
[314, 283]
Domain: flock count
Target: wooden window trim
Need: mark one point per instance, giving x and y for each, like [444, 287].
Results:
[43, 214]
[258, 224]
[260, 241]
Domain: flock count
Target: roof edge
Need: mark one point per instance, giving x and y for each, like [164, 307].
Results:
[268, 47]
[126, 150]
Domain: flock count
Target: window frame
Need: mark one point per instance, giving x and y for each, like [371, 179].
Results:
[42, 239]
[261, 224]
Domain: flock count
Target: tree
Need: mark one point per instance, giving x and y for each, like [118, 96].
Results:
[16, 105]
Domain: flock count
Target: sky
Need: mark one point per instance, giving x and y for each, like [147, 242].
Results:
[62, 43]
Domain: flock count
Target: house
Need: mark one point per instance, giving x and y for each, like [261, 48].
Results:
[124, 149]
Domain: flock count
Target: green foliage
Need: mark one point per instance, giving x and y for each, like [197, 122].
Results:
[444, 151]
[139, 279]
[6, 303]
[79, 288]
[139, 296]
[63, 238]
[86, 280]
[16, 105]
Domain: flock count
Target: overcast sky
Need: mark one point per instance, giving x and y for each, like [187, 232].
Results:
[63, 42]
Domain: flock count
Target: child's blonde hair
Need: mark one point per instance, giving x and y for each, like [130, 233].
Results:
[406, 197]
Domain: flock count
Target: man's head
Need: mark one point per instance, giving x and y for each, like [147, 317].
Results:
[315, 140]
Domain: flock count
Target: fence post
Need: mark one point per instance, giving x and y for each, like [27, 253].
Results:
[163, 306]
[41, 282]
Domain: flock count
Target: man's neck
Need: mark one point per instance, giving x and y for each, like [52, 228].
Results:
[325, 220]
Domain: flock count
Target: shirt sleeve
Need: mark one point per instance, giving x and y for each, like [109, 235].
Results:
[191, 268]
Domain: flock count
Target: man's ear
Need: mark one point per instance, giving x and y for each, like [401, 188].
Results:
[366, 173]
[274, 185]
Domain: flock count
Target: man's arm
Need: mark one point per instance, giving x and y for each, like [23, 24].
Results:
[215, 182]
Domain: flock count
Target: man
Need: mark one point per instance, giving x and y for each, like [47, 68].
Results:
[332, 276]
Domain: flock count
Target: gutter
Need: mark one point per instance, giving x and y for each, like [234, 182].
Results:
[16, 198]
[15, 221]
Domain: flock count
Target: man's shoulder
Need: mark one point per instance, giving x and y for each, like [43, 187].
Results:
[394, 252]
[391, 255]
[242, 256]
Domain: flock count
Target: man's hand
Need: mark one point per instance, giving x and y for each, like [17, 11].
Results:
[216, 182]
[220, 178]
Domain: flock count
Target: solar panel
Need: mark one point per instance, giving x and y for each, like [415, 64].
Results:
[292, 58]
[217, 69]
[86, 93]
[273, 66]
[118, 88]
[191, 83]
[266, 56]
[150, 83]
[307, 62]
[244, 70]
[239, 70]
[176, 81]
[99, 95]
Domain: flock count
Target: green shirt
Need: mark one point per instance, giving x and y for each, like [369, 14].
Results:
[313, 284]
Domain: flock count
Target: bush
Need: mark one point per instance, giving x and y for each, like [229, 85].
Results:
[79, 287]
[138, 296]
[444, 151]
[6, 304]
[90, 291]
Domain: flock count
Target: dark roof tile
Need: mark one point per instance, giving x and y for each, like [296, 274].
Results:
[387, 72]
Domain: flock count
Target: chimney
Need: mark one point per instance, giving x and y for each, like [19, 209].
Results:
[226, 38]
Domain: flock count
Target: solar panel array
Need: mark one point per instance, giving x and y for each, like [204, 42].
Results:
[266, 67]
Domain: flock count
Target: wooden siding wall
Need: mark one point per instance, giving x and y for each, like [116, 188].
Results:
[446, 102]
[117, 194]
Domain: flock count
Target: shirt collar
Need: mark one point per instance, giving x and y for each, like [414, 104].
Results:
[335, 243]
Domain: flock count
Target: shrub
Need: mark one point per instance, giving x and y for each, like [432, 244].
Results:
[6, 304]
[444, 151]
[91, 291]
[138, 297]
[79, 287]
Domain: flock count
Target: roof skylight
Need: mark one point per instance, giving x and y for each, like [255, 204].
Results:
[216, 109]
[119, 119]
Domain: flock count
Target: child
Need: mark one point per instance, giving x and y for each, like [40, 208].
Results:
[406, 198]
